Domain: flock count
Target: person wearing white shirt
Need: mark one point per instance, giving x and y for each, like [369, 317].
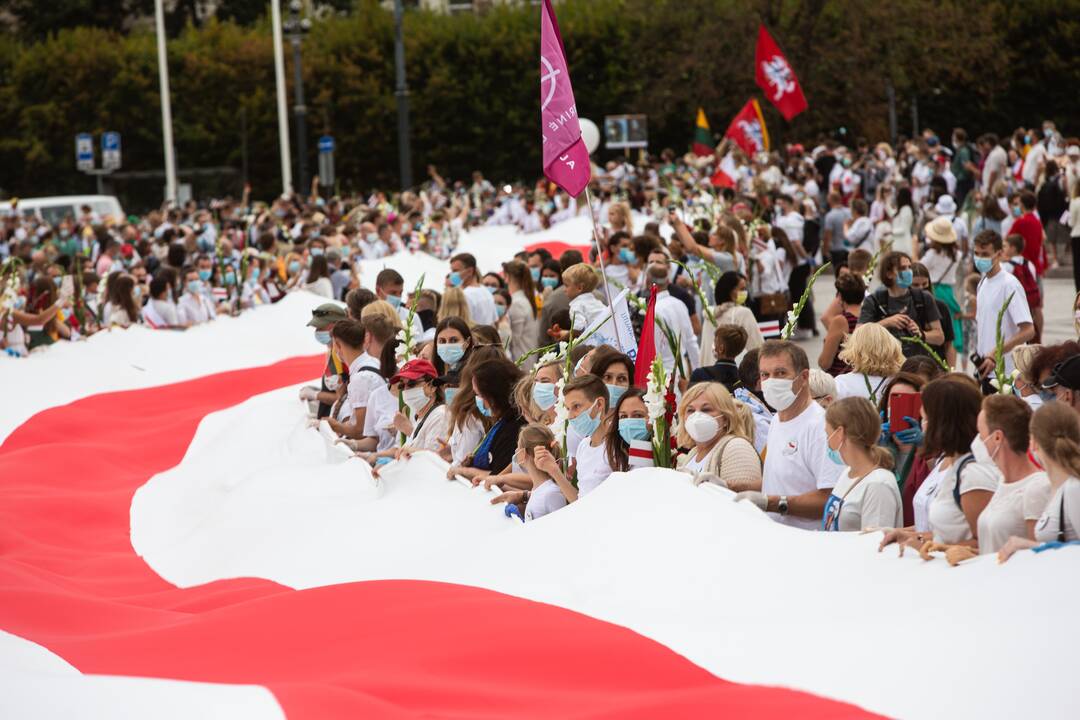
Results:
[586, 400]
[580, 281]
[1024, 490]
[790, 220]
[874, 356]
[194, 308]
[995, 166]
[1034, 160]
[390, 286]
[359, 344]
[464, 275]
[947, 504]
[798, 478]
[675, 316]
[995, 289]
[866, 495]
[860, 233]
[537, 456]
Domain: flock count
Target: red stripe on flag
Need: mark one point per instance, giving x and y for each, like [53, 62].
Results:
[366, 649]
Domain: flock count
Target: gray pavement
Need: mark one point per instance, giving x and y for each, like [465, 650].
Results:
[1057, 308]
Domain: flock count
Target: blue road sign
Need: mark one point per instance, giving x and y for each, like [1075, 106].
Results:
[326, 144]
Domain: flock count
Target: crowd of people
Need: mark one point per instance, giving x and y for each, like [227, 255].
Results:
[933, 412]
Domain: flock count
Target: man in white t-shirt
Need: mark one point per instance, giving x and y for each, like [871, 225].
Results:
[390, 286]
[996, 164]
[1034, 160]
[995, 287]
[798, 476]
[463, 274]
[790, 220]
[359, 344]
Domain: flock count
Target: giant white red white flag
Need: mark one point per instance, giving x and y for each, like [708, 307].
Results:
[566, 159]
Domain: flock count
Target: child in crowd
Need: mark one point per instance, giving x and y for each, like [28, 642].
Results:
[538, 454]
[580, 280]
[728, 342]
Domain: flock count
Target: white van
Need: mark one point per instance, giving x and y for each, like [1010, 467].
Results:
[54, 209]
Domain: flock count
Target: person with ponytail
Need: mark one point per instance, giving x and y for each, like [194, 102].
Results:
[718, 432]
[1055, 444]
[866, 495]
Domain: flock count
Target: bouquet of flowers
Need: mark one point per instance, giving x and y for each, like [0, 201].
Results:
[405, 350]
[660, 403]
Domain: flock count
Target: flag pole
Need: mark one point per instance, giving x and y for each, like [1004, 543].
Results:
[600, 257]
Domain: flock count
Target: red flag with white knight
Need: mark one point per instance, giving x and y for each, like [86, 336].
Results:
[747, 129]
[776, 78]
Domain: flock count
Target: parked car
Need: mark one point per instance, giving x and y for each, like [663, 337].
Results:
[54, 209]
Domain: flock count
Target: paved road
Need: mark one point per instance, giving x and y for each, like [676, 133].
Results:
[1058, 305]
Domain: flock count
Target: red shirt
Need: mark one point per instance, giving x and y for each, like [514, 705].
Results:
[1031, 229]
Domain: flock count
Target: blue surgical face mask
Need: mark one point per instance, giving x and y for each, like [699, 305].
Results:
[316, 251]
[903, 278]
[627, 256]
[323, 336]
[294, 267]
[585, 424]
[194, 286]
[615, 392]
[1016, 211]
[535, 272]
[449, 393]
[455, 279]
[631, 429]
[204, 275]
[58, 280]
[833, 455]
[500, 310]
[550, 282]
[482, 407]
[491, 289]
[543, 394]
[230, 278]
[255, 274]
[984, 264]
[394, 300]
[451, 353]
[138, 292]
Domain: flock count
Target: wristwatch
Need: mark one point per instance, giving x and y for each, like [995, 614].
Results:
[781, 505]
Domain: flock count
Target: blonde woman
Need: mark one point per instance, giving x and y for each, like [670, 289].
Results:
[866, 495]
[619, 218]
[384, 310]
[454, 304]
[535, 394]
[718, 430]
[874, 356]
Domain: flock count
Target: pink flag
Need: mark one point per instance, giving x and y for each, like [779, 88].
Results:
[566, 160]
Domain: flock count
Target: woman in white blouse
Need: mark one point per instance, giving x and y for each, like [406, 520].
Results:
[730, 309]
[949, 501]
[874, 356]
[318, 278]
[866, 495]
[902, 222]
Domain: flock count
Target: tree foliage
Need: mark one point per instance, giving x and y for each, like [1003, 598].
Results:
[473, 82]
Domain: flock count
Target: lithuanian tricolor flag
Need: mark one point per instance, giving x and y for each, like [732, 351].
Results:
[703, 140]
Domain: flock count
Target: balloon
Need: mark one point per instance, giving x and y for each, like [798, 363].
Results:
[590, 134]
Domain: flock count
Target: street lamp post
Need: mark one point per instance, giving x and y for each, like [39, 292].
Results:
[295, 28]
[402, 93]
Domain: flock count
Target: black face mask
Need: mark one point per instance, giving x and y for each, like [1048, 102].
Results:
[427, 318]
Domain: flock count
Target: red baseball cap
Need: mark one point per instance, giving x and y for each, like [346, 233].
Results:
[414, 370]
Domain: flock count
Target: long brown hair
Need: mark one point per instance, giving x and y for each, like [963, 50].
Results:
[952, 405]
[616, 450]
[519, 272]
[121, 294]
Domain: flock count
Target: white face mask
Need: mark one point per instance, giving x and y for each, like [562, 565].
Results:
[701, 427]
[981, 453]
[778, 393]
[415, 398]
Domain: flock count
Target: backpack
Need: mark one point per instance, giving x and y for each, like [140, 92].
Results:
[959, 471]
[880, 300]
[1028, 282]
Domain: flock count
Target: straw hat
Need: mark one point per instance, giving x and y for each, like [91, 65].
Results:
[940, 230]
